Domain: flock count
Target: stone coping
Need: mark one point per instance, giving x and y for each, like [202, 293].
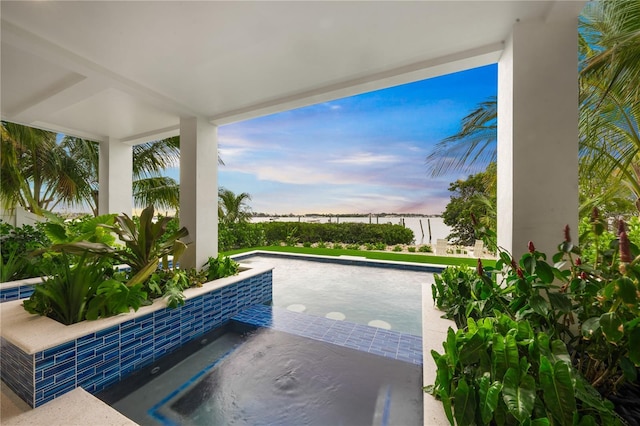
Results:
[34, 333]
[20, 283]
[345, 259]
[76, 407]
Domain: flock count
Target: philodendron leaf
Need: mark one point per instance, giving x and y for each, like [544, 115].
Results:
[464, 403]
[519, 395]
[611, 326]
[489, 394]
[443, 384]
[557, 390]
[505, 353]
[470, 350]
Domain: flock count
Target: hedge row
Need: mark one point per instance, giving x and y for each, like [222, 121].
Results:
[349, 233]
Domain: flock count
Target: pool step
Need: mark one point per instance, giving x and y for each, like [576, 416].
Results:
[387, 343]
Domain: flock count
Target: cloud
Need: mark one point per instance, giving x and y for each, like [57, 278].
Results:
[366, 158]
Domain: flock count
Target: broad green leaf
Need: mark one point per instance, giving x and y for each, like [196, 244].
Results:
[543, 421]
[557, 390]
[504, 354]
[560, 301]
[628, 369]
[539, 305]
[587, 421]
[470, 350]
[611, 326]
[544, 272]
[560, 352]
[451, 348]
[589, 327]
[464, 403]
[627, 290]
[519, 395]
[489, 394]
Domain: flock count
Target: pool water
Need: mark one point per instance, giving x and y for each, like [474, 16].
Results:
[383, 297]
[269, 377]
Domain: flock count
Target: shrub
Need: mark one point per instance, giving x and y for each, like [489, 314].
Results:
[370, 246]
[16, 246]
[552, 372]
[425, 249]
[349, 233]
[397, 248]
[353, 247]
[381, 246]
[337, 246]
[321, 244]
[306, 244]
[411, 249]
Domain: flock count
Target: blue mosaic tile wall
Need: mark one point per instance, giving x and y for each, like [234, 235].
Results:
[17, 370]
[101, 359]
[15, 293]
[387, 343]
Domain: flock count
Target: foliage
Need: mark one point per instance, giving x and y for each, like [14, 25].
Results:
[425, 249]
[473, 197]
[170, 284]
[16, 246]
[502, 371]
[599, 300]
[78, 288]
[232, 208]
[397, 248]
[239, 235]
[37, 173]
[348, 233]
[411, 249]
[85, 228]
[146, 243]
[220, 267]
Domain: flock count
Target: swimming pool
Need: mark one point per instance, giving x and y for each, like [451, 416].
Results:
[386, 297]
[297, 366]
[269, 377]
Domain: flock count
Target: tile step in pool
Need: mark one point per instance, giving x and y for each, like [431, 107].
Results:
[387, 343]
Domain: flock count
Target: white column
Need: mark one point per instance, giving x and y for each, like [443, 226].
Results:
[538, 136]
[199, 189]
[115, 191]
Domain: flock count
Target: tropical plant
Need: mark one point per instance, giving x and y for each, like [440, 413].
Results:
[146, 243]
[609, 36]
[37, 173]
[474, 197]
[501, 371]
[589, 310]
[232, 208]
[220, 267]
[16, 247]
[71, 284]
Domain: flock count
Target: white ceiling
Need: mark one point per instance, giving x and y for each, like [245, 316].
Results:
[129, 70]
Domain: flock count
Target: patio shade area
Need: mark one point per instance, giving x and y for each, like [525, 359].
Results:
[123, 73]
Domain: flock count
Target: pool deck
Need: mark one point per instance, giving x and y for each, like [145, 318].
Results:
[80, 408]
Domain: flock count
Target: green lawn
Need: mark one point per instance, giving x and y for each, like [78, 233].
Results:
[378, 255]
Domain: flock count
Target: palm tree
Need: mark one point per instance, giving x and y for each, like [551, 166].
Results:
[232, 208]
[474, 143]
[37, 173]
[609, 52]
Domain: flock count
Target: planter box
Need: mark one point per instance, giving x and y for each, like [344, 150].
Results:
[43, 359]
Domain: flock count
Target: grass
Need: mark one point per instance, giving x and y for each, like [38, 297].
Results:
[378, 255]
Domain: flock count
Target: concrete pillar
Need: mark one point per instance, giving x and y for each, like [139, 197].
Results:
[538, 136]
[115, 191]
[199, 189]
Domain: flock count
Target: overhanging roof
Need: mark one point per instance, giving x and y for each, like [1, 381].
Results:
[130, 70]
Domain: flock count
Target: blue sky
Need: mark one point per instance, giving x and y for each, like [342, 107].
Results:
[363, 154]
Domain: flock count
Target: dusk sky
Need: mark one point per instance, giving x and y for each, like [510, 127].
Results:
[363, 154]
